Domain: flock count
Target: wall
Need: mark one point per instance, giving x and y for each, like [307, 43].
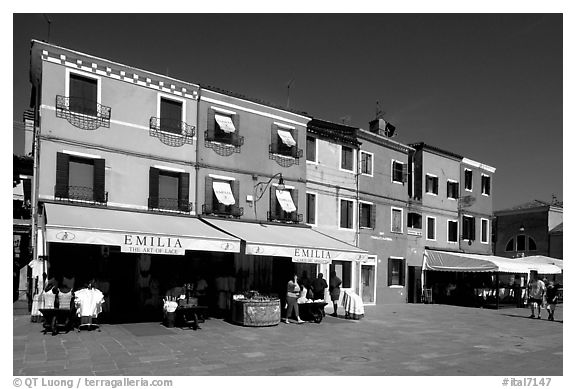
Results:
[535, 224]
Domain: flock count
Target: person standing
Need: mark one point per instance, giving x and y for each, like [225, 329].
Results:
[551, 299]
[536, 292]
[334, 290]
[319, 286]
[293, 291]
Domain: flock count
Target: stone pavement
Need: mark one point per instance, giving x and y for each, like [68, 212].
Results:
[396, 340]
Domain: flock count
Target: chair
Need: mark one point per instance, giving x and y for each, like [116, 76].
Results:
[427, 298]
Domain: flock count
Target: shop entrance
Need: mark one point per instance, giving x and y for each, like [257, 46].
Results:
[414, 284]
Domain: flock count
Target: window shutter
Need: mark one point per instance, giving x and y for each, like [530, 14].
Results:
[402, 271]
[294, 149]
[373, 216]
[211, 124]
[390, 268]
[235, 186]
[62, 175]
[472, 228]
[294, 193]
[274, 138]
[99, 180]
[184, 192]
[274, 205]
[208, 194]
[488, 185]
[404, 173]
[153, 187]
[236, 134]
[435, 181]
[427, 184]
[456, 190]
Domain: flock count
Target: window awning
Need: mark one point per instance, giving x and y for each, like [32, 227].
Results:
[299, 243]
[134, 232]
[287, 138]
[223, 192]
[464, 262]
[225, 123]
[285, 199]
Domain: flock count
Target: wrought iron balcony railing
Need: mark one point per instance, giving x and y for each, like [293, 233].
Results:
[82, 113]
[222, 210]
[81, 194]
[170, 204]
[172, 132]
[222, 143]
[285, 156]
[285, 217]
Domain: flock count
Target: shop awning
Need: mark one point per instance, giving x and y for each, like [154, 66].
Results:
[285, 199]
[223, 192]
[543, 261]
[225, 123]
[134, 232]
[287, 138]
[464, 262]
[299, 243]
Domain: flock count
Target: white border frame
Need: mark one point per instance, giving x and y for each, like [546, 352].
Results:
[448, 231]
[397, 286]
[482, 186]
[487, 230]
[471, 180]
[457, 192]
[371, 163]
[354, 156]
[315, 194]
[392, 171]
[472, 217]
[173, 98]
[371, 204]
[354, 223]
[87, 75]
[435, 228]
[392, 208]
[374, 264]
[426, 180]
[316, 141]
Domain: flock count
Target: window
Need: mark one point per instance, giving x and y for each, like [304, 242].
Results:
[311, 149]
[366, 163]
[431, 184]
[484, 233]
[284, 205]
[396, 271]
[347, 158]
[521, 243]
[284, 141]
[343, 270]
[430, 228]
[397, 224]
[531, 244]
[414, 220]
[452, 189]
[169, 189]
[398, 172]
[346, 214]
[80, 178]
[83, 94]
[468, 179]
[221, 196]
[510, 245]
[452, 231]
[367, 215]
[311, 208]
[468, 228]
[485, 185]
[223, 127]
[171, 117]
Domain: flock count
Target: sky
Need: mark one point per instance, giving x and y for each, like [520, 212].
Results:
[488, 87]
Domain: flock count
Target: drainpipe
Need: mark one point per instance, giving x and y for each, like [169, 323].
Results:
[196, 164]
[35, 179]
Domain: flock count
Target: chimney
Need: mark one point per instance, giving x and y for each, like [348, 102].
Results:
[381, 127]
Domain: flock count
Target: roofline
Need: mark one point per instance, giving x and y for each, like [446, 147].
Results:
[364, 134]
[479, 165]
[427, 147]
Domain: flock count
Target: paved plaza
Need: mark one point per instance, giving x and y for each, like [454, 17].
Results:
[390, 340]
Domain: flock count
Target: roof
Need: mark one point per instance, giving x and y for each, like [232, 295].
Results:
[558, 229]
[532, 205]
[336, 131]
[427, 147]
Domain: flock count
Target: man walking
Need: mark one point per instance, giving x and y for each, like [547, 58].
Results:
[536, 291]
[551, 299]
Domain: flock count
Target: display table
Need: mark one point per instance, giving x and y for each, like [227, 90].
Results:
[353, 305]
[255, 313]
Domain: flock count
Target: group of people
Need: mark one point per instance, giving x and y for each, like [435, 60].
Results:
[305, 290]
[542, 293]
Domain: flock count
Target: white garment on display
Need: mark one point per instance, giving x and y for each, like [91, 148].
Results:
[89, 302]
[39, 266]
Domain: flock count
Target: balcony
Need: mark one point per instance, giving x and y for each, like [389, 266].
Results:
[222, 210]
[82, 113]
[285, 156]
[172, 132]
[224, 144]
[81, 194]
[170, 205]
[285, 217]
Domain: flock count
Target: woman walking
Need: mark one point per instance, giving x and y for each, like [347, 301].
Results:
[291, 300]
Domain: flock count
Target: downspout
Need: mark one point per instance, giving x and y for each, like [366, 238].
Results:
[36, 178]
[196, 164]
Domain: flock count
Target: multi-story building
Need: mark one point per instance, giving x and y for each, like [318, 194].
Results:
[144, 182]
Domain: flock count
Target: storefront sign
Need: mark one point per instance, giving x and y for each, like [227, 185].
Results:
[311, 256]
[146, 244]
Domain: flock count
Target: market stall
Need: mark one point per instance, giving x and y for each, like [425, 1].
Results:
[254, 310]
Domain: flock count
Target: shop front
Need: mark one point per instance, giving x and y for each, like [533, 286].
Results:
[134, 258]
[478, 280]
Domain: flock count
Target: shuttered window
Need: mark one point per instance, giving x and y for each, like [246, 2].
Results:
[452, 190]
[452, 231]
[80, 178]
[468, 179]
[468, 228]
[396, 220]
[169, 190]
[367, 215]
[366, 163]
[396, 271]
[431, 184]
[398, 171]
[346, 214]
[347, 158]
[311, 149]
[310, 208]
[486, 185]
[171, 116]
[430, 228]
[83, 93]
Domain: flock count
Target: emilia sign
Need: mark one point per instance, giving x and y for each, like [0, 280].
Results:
[146, 244]
[311, 256]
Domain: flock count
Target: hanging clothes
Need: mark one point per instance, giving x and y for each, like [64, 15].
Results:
[89, 302]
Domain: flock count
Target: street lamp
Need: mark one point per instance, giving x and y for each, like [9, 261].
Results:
[261, 187]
